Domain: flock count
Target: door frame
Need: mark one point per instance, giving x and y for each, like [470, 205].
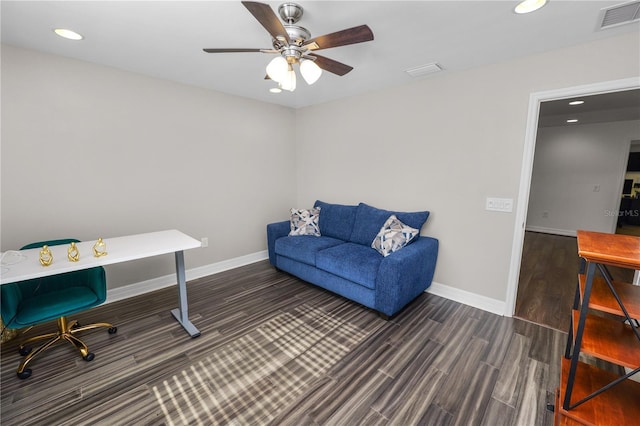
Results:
[531, 130]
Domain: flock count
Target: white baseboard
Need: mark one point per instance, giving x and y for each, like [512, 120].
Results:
[477, 301]
[565, 232]
[153, 284]
[136, 289]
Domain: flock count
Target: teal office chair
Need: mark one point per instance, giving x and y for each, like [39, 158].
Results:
[31, 302]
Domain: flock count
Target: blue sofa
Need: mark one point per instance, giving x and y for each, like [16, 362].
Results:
[342, 260]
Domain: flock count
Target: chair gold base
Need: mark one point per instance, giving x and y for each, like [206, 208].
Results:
[66, 331]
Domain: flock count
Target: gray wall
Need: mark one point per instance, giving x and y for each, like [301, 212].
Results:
[89, 151]
[445, 143]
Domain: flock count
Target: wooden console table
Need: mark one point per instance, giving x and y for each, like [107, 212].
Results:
[121, 249]
[588, 395]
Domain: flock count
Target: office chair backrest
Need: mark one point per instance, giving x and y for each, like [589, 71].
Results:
[12, 294]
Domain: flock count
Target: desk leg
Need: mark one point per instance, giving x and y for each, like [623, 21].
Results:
[182, 313]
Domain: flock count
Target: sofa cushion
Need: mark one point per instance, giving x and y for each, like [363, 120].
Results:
[305, 222]
[369, 220]
[350, 261]
[336, 220]
[304, 248]
[393, 236]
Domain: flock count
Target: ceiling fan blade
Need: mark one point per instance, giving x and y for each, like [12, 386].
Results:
[340, 38]
[232, 50]
[330, 65]
[268, 19]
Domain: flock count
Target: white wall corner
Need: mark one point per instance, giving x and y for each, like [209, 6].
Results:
[488, 304]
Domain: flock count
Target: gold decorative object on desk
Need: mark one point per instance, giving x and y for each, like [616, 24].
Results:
[99, 248]
[72, 253]
[45, 256]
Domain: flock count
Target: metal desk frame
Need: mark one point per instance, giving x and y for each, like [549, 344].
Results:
[120, 249]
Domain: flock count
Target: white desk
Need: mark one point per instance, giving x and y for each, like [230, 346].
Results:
[121, 249]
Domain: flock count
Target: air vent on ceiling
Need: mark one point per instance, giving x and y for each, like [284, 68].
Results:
[424, 70]
[620, 14]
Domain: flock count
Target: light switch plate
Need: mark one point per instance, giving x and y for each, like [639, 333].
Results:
[500, 204]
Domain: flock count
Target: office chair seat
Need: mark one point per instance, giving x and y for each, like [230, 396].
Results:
[36, 301]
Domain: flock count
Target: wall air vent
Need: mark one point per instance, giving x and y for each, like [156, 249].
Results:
[424, 70]
[621, 14]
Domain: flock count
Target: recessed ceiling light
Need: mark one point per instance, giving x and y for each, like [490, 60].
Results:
[275, 90]
[68, 34]
[528, 6]
[576, 102]
[572, 120]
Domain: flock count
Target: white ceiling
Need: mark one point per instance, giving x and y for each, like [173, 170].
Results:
[164, 39]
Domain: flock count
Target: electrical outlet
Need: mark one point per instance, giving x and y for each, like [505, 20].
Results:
[545, 213]
[204, 241]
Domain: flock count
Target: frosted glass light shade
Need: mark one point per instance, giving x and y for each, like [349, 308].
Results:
[310, 71]
[277, 69]
[289, 81]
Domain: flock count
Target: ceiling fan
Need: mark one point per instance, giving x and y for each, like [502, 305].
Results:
[294, 45]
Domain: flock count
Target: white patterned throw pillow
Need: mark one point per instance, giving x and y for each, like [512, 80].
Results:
[305, 222]
[393, 236]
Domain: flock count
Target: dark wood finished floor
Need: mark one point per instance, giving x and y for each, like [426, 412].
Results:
[547, 283]
[438, 362]
[548, 278]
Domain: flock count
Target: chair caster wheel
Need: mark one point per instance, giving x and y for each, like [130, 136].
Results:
[113, 330]
[76, 325]
[24, 350]
[89, 357]
[25, 374]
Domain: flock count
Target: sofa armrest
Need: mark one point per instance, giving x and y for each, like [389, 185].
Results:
[274, 231]
[404, 274]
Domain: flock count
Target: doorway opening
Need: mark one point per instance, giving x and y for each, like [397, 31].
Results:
[525, 239]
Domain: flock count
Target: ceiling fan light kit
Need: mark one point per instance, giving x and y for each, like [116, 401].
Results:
[294, 45]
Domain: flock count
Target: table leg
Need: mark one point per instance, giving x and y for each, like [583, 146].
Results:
[182, 313]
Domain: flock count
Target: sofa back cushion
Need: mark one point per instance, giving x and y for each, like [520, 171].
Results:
[336, 220]
[369, 220]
